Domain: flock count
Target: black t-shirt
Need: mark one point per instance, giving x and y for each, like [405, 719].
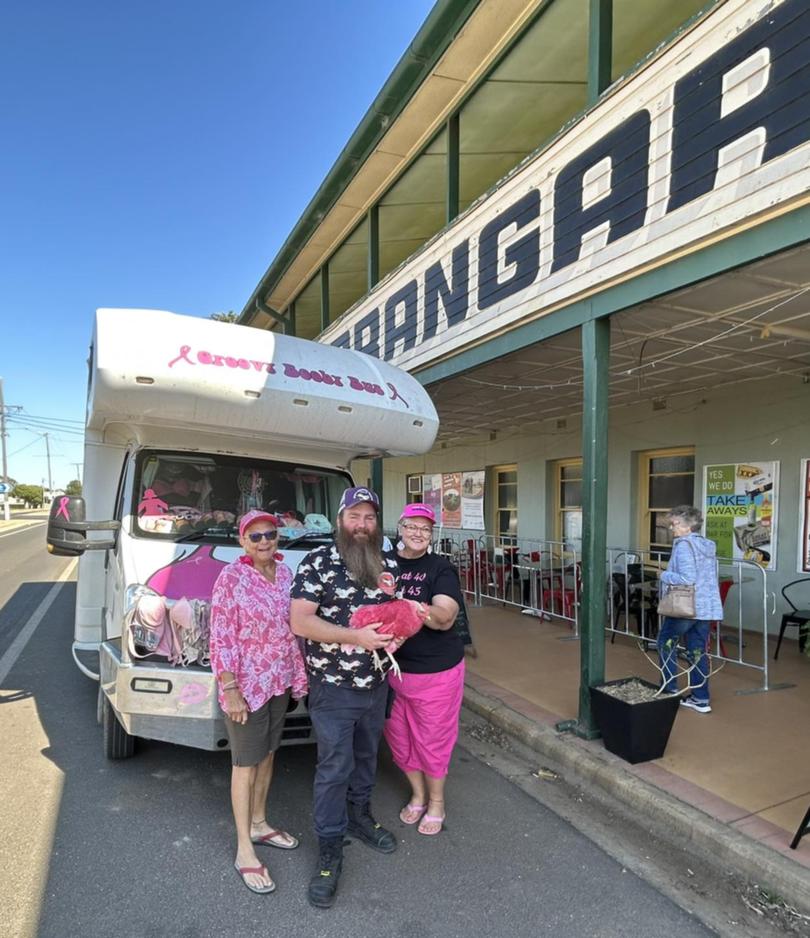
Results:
[430, 650]
[322, 578]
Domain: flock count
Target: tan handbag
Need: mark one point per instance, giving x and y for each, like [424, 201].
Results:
[679, 600]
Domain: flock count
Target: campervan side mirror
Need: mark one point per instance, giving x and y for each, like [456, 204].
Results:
[67, 529]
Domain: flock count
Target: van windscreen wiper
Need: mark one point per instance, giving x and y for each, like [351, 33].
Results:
[208, 532]
[310, 535]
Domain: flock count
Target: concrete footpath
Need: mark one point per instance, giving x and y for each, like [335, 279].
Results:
[588, 764]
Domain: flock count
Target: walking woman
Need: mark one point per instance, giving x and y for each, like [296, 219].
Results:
[423, 726]
[693, 562]
[258, 665]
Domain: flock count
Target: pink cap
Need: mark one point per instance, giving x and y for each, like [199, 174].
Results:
[418, 510]
[256, 515]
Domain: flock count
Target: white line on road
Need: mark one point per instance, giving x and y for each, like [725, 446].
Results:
[28, 527]
[15, 649]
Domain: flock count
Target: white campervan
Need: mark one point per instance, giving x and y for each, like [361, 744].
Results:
[190, 423]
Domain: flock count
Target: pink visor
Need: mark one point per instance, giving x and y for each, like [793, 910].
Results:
[418, 510]
[256, 515]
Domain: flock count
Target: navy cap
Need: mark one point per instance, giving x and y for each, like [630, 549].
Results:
[358, 495]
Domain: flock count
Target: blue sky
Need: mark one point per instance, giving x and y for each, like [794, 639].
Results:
[157, 155]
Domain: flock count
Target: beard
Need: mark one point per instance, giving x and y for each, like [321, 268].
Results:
[362, 556]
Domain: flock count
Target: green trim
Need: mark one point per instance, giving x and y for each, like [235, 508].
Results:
[274, 314]
[373, 247]
[435, 36]
[768, 238]
[600, 47]
[290, 328]
[324, 297]
[452, 167]
[377, 481]
[595, 391]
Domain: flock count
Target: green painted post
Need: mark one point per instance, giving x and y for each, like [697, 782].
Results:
[290, 328]
[377, 480]
[373, 247]
[600, 47]
[595, 364]
[324, 297]
[452, 168]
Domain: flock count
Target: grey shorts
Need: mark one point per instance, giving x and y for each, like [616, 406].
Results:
[252, 741]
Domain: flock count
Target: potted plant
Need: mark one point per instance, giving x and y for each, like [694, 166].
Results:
[635, 716]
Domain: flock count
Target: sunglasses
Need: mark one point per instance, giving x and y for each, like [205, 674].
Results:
[256, 536]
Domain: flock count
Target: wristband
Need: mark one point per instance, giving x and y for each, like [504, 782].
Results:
[231, 686]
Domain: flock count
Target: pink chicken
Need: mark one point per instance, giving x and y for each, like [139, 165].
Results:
[400, 618]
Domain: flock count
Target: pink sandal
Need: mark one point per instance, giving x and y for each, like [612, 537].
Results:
[436, 823]
[412, 813]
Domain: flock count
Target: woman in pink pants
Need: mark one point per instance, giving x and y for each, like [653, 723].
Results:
[423, 726]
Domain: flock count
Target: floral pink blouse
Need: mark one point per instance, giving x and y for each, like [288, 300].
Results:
[251, 635]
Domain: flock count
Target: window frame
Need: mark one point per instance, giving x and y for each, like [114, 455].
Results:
[643, 500]
[559, 508]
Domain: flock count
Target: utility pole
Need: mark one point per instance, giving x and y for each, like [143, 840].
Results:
[6, 505]
[50, 480]
[78, 471]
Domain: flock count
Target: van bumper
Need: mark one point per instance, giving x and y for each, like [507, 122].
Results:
[177, 705]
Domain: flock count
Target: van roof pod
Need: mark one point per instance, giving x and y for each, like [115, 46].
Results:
[151, 368]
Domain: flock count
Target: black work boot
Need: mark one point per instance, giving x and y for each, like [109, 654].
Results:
[323, 885]
[363, 826]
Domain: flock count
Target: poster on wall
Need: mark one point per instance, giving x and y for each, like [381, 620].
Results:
[804, 518]
[432, 492]
[451, 499]
[740, 505]
[472, 500]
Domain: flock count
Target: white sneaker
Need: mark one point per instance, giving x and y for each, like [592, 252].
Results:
[702, 706]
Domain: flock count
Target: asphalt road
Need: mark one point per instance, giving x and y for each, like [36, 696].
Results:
[144, 847]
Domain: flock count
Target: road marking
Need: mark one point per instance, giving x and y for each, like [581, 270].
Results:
[15, 649]
[28, 527]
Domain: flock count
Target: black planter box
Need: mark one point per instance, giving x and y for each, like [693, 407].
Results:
[637, 732]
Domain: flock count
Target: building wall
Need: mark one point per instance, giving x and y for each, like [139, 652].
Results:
[755, 421]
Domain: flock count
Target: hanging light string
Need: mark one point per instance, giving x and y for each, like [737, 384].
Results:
[577, 381]
[730, 331]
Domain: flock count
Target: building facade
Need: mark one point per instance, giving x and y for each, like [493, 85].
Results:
[584, 226]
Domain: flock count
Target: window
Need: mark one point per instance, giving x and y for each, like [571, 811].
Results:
[667, 479]
[413, 489]
[506, 513]
[196, 497]
[568, 502]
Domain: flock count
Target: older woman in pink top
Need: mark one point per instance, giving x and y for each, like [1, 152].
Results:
[258, 665]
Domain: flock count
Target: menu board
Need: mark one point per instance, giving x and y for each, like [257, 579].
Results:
[432, 492]
[740, 505]
[472, 500]
[451, 499]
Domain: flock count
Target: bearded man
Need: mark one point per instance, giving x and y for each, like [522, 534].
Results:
[347, 695]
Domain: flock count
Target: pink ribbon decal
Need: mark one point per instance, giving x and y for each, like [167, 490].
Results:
[395, 394]
[183, 356]
[63, 503]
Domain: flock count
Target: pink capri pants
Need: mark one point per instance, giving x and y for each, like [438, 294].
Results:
[423, 727]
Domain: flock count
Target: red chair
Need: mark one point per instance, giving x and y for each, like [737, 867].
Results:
[565, 590]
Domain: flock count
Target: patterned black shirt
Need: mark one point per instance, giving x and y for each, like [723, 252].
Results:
[322, 578]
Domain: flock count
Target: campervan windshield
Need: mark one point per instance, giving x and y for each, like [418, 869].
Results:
[193, 497]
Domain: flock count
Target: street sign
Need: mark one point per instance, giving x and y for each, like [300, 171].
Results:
[4, 487]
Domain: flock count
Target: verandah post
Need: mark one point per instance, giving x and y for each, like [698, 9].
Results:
[595, 368]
